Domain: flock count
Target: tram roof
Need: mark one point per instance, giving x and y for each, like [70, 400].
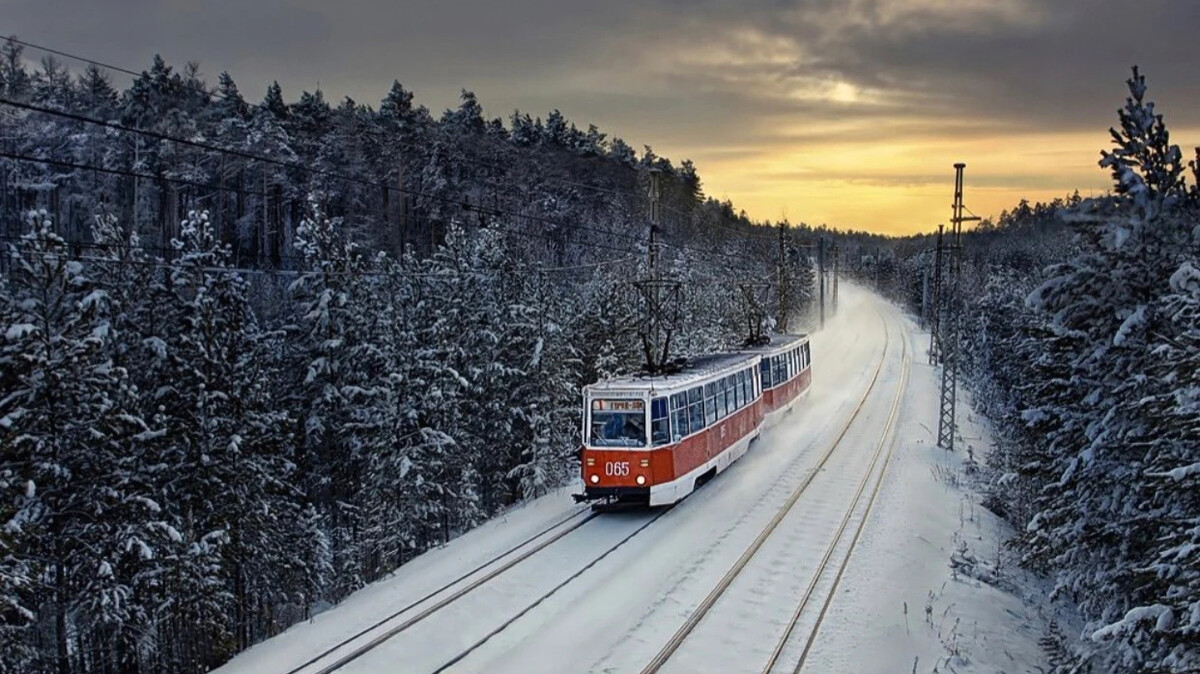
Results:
[697, 371]
[778, 343]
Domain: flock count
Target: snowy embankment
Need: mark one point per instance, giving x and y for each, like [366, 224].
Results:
[931, 586]
[928, 588]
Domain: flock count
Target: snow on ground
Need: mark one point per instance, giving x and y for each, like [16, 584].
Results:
[900, 607]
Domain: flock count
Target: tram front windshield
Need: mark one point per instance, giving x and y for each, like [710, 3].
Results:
[617, 423]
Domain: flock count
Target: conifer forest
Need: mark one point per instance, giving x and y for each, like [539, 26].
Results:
[258, 351]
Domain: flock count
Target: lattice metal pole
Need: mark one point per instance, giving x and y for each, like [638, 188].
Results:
[953, 302]
[661, 297]
[935, 316]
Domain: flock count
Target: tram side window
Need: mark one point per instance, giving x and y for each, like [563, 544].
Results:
[660, 425]
[739, 388]
[735, 392]
[695, 409]
[764, 370]
[730, 396]
[722, 410]
[710, 404]
[747, 386]
[807, 354]
[679, 416]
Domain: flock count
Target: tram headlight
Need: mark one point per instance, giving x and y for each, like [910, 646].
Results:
[595, 479]
[641, 479]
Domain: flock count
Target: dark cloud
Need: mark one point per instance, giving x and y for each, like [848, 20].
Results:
[733, 82]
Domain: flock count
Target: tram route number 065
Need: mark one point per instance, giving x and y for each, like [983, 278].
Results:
[616, 468]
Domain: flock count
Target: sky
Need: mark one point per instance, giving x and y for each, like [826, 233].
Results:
[849, 114]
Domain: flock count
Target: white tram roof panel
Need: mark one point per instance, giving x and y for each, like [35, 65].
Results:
[777, 343]
[697, 370]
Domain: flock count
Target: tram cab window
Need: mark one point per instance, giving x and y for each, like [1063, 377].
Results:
[617, 423]
[660, 425]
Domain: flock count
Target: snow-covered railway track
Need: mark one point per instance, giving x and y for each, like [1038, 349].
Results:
[355, 646]
[695, 618]
[532, 605]
[882, 451]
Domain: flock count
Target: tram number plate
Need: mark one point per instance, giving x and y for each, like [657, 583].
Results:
[616, 468]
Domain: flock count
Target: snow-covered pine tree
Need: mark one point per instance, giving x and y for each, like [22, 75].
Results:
[1109, 523]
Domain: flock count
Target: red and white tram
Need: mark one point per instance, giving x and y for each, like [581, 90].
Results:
[653, 440]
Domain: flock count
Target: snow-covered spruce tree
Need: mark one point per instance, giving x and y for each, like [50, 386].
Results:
[345, 408]
[455, 318]
[1123, 423]
[547, 432]
[119, 267]
[73, 426]
[226, 436]
[17, 637]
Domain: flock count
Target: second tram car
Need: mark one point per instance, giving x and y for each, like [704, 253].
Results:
[786, 373]
[654, 440]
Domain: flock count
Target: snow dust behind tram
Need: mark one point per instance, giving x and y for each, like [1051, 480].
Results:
[654, 440]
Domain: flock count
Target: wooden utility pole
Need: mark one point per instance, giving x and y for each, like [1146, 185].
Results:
[836, 263]
[652, 249]
[402, 207]
[924, 299]
[783, 283]
[821, 274]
